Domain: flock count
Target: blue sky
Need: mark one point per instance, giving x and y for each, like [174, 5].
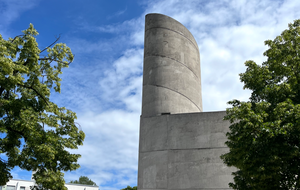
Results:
[103, 84]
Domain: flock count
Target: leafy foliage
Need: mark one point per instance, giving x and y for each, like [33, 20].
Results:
[34, 131]
[130, 188]
[84, 180]
[264, 137]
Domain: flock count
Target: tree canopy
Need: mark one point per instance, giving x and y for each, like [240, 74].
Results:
[264, 137]
[130, 188]
[84, 180]
[34, 132]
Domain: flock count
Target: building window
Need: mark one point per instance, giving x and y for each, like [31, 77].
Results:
[22, 188]
[9, 187]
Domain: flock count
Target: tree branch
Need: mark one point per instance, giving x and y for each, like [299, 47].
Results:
[15, 131]
[51, 44]
[16, 37]
[1, 90]
[29, 87]
[2, 160]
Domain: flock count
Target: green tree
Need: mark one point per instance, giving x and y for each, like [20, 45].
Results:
[84, 180]
[35, 132]
[264, 137]
[130, 188]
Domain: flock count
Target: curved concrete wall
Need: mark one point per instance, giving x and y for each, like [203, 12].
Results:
[171, 78]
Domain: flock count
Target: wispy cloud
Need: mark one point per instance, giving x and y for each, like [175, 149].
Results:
[116, 132]
[228, 33]
[12, 9]
[117, 14]
[110, 150]
[123, 81]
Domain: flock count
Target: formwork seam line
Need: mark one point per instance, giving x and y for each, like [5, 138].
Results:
[176, 92]
[156, 55]
[177, 33]
[186, 149]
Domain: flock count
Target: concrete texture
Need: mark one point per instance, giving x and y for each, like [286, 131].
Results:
[182, 151]
[171, 68]
[183, 131]
[180, 146]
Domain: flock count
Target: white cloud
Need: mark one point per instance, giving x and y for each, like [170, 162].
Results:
[117, 14]
[110, 150]
[11, 10]
[123, 81]
[111, 146]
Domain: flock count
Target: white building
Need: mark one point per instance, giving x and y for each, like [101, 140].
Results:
[17, 184]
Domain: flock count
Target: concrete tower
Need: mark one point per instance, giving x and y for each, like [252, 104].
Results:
[171, 81]
[180, 146]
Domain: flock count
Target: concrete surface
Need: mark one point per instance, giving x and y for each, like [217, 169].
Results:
[171, 68]
[180, 146]
[182, 151]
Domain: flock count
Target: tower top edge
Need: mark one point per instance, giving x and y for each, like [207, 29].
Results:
[157, 20]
